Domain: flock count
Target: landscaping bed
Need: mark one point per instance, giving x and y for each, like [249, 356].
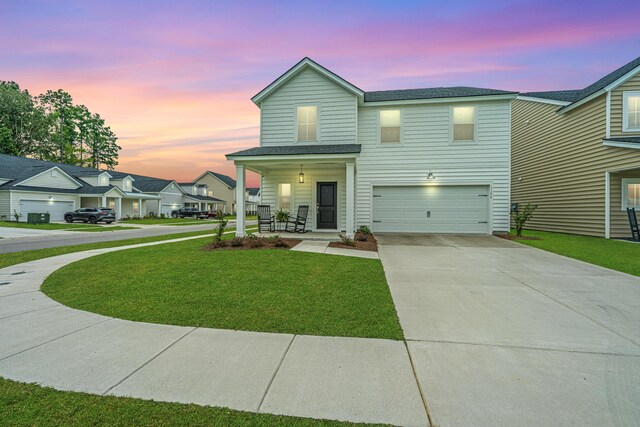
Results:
[252, 242]
[361, 241]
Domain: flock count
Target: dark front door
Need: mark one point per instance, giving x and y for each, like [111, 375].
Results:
[327, 205]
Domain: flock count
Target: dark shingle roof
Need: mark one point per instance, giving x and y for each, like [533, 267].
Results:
[230, 182]
[253, 191]
[87, 189]
[204, 198]
[284, 150]
[577, 95]
[556, 95]
[431, 93]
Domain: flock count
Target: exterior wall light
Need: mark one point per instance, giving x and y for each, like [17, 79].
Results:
[50, 197]
[301, 176]
[431, 175]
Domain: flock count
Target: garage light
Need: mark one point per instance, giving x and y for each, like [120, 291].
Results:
[301, 176]
[431, 175]
[50, 197]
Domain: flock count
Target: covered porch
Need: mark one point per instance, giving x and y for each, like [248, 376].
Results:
[321, 177]
[204, 203]
[622, 189]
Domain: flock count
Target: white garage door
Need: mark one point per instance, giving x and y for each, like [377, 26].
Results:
[55, 209]
[166, 209]
[431, 209]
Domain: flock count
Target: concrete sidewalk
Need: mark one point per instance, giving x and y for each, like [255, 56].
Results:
[322, 247]
[349, 379]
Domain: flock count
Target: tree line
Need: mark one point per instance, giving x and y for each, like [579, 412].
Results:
[51, 127]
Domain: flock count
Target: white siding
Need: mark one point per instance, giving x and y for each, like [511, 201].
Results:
[60, 180]
[305, 194]
[5, 209]
[426, 146]
[338, 111]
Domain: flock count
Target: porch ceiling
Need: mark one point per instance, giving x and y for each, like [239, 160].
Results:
[275, 165]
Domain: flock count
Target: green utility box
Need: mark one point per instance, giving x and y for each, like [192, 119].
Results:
[38, 218]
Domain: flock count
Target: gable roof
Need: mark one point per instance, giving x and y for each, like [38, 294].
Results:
[226, 180]
[431, 93]
[253, 191]
[577, 97]
[302, 65]
[292, 150]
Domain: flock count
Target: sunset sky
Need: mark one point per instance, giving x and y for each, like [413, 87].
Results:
[174, 78]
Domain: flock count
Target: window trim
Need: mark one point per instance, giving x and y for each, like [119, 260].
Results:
[625, 115]
[379, 126]
[290, 197]
[295, 130]
[475, 125]
[623, 191]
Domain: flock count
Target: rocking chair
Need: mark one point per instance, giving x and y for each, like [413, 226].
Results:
[633, 222]
[299, 223]
[265, 219]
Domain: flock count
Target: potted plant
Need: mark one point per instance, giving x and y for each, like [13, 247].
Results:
[282, 216]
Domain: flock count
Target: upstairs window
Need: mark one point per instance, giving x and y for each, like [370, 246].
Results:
[308, 123]
[284, 196]
[631, 113]
[389, 126]
[464, 123]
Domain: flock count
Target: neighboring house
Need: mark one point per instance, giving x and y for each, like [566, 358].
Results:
[29, 185]
[201, 200]
[416, 160]
[576, 154]
[220, 187]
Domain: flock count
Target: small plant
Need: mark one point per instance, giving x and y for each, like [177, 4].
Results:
[520, 218]
[282, 215]
[236, 242]
[279, 243]
[16, 215]
[273, 238]
[219, 230]
[163, 216]
[346, 240]
[220, 244]
[364, 229]
[255, 242]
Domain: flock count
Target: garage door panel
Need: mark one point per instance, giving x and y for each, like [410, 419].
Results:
[56, 209]
[433, 209]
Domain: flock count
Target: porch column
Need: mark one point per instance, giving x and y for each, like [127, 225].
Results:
[351, 196]
[140, 207]
[607, 204]
[118, 207]
[240, 190]
[104, 201]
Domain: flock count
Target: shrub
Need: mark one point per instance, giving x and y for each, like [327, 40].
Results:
[282, 215]
[236, 242]
[219, 230]
[16, 215]
[279, 243]
[346, 240]
[364, 230]
[273, 238]
[163, 216]
[220, 244]
[255, 243]
[520, 218]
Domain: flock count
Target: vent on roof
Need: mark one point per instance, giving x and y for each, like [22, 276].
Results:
[54, 173]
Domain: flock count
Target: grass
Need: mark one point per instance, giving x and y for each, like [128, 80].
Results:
[267, 290]
[31, 405]
[58, 226]
[248, 217]
[13, 258]
[613, 254]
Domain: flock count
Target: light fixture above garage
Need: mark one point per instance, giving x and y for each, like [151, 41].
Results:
[301, 176]
[50, 197]
[431, 175]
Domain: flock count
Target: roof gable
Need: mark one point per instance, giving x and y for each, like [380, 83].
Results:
[306, 63]
[225, 179]
[55, 176]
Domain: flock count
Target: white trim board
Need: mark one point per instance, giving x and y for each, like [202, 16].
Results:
[620, 144]
[543, 100]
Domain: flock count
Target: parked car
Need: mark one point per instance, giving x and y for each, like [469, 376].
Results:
[215, 214]
[188, 212]
[92, 215]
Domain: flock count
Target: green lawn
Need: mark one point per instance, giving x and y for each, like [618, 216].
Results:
[163, 221]
[613, 254]
[30, 405]
[248, 217]
[267, 290]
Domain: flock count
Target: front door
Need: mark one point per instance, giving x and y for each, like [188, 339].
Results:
[327, 205]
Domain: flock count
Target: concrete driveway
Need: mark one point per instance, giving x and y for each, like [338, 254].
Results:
[504, 334]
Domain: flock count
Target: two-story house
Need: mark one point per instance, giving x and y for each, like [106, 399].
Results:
[576, 154]
[198, 197]
[417, 160]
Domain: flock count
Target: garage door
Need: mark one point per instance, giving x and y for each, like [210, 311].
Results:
[431, 209]
[55, 209]
[166, 209]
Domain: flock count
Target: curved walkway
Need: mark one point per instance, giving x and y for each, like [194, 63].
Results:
[350, 379]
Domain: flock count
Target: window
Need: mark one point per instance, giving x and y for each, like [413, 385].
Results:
[210, 193]
[284, 196]
[127, 185]
[389, 126]
[103, 180]
[464, 123]
[630, 193]
[631, 111]
[307, 123]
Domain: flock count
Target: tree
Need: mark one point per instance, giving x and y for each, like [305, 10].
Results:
[24, 121]
[60, 111]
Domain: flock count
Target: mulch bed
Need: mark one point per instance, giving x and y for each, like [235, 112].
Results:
[243, 243]
[516, 238]
[369, 244]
